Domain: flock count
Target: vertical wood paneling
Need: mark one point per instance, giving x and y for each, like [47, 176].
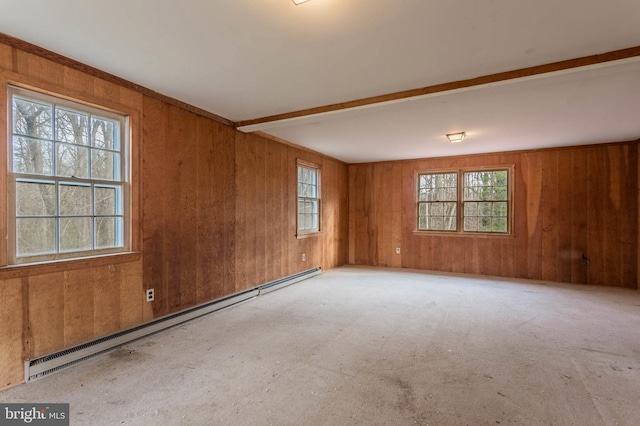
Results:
[38, 68]
[106, 314]
[206, 220]
[612, 255]
[46, 313]
[597, 166]
[11, 332]
[579, 215]
[565, 253]
[549, 202]
[78, 306]
[534, 215]
[6, 57]
[224, 143]
[566, 202]
[335, 214]
[155, 118]
[131, 295]
[187, 165]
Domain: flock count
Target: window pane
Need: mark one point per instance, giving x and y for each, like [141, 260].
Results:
[75, 200]
[484, 224]
[35, 199]
[484, 209]
[437, 209]
[471, 194]
[72, 161]
[32, 156]
[500, 193]
[450, 194]
[31, 118]
[422, 223]
[470, 209]
[314, 221]
[436, 224]
[72, 127]
[314, 206]
[500, 178]
[104, 165]
[108, 230]
[499, 224]
[35, 236]
[104, 133]
[108, 200]
[499, 209]
[75, 233]
[471, 224]
[307, 221]
[422, 209]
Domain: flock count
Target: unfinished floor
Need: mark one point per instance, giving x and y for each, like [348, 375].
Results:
[368, 346]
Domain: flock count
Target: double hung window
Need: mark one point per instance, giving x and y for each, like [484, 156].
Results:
[308, 198]
[67, 179]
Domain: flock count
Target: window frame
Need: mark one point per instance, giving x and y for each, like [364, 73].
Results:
[460, 202]
[305, 232]
[124, 181]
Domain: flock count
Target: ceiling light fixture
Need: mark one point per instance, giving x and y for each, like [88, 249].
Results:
[456, 137]
[297, 2]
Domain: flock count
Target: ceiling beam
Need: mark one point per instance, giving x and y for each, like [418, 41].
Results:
[455, 85]
[79, 66]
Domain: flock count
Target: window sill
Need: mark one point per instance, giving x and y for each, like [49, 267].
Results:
[40, 268]
[462, 234]
[309, 235]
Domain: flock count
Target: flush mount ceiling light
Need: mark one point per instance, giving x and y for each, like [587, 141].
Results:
[297, 2]
[456, 137]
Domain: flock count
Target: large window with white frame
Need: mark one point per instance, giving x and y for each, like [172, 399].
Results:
[308, 198]
[464, 201]
[67, 179]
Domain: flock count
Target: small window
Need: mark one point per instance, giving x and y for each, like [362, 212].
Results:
[467, 201]
[67, 179]
[308, 198]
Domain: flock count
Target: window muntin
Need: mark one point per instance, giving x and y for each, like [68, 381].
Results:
[308, 198]
[67, 179]
[466, 201]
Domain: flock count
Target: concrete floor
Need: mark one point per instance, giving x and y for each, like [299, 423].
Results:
[364, 346]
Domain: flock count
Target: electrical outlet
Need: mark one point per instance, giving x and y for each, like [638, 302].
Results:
[304, 257]
[150, 295]
[397, 250]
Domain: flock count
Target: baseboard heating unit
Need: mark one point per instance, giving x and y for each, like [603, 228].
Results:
[43, 366]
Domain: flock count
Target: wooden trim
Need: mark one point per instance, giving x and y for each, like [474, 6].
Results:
[32, 269]
[79, 66]
[454, 85]
[4, 151]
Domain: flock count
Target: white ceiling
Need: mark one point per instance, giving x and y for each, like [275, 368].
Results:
[245, 59]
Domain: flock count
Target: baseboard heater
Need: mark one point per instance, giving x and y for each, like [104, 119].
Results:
[43, 366]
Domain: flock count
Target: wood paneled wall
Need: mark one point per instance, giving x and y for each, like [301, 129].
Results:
[567, 202]
[213, 214]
